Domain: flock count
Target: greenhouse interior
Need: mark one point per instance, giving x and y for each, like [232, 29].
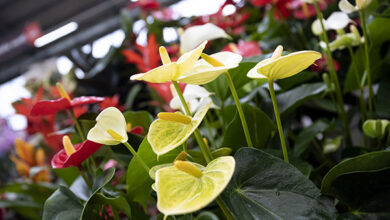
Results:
[194, 109]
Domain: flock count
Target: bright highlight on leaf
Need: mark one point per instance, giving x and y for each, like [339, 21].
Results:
[110, 128]
[68, 146]
[179, 192]
[280, 67]
[210, 67]
[166, 135]
[175, 117]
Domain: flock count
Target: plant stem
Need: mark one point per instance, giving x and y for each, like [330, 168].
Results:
[82, 174]
[333, 76]
[225, 211]
[369, 80]
[205, 150]
[77, 124]
[114, 213]
[358, 80]
[131, 149]
[239, 109]
[277, 117]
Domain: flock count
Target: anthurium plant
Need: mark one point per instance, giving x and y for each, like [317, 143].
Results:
[278, 110]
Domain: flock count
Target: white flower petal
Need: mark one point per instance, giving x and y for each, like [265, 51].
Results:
[195, 35]
[337, 20]
[346, 7]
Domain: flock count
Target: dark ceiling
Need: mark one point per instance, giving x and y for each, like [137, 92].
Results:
[95, 18]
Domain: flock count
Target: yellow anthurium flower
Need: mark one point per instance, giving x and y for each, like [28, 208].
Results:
[280, 67]
[110, 128]
[186, 187]
[170, 71]
[203, 72]
[172, 129]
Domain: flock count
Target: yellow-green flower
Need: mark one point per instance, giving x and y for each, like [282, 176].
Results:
[375, 128]
[172, 129]
[279, 67]
[171, 71]
[186, 187]
[203, 72]
[110, 128]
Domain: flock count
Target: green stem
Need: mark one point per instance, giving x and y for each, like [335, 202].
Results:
[225, 211]
[239, 109]
[277, 117]
[114, 213]
[358, 80]
[77, 124]
[82, 174]
[131, 149]
[208, 126]
[333, 76]
[205, 150]
[369, 80]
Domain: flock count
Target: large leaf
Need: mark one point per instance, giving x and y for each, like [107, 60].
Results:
[307, 135]
[366, 162]
[62, 204]
[98, 200]
[137, 179]
[265, 187]
[68, 175]
[289, 100]
[28, 209]
[220, 86]
[100, 181]
[259, 124]
[361, 182]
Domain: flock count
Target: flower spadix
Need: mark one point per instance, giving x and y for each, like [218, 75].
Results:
[279, 67]
[210, 67]
[110, 128]
[171, 129]
[185, 187]
[170, 71]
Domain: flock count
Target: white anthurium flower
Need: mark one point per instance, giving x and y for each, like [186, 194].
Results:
[345, 40]
[336, 21]
[110, 128]
[194, 95]
[203, 72]
[347, 7]
[195, 35]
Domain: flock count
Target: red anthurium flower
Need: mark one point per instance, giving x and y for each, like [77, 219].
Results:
[244, 48]
[73, 156]
[145, 5]
[49, 107]
[303, 10]
[111, 102]
[282, 11]
[320, 65]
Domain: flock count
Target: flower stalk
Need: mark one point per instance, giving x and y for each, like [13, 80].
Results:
[278, 121]
[142, 162]
[333, 76]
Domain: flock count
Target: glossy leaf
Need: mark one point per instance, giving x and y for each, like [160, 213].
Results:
[265, 187]
[62, 204]
[307, 135]
[140, 118]
[260, 126]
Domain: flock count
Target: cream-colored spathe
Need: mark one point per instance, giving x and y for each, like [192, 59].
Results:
[165, 135]
[203, 72]
[171, 71]
[179, 192]
[110, 118]
[280, 67]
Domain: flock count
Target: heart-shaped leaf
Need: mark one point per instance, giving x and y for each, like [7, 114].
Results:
[265, 187]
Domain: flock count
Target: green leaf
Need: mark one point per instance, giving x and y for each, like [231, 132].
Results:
[260, 126]
[38, 192]
[265, 187]
[291, 99]
[383, 101]
[68, 175]
[299, 78]
[140, 118]
[138, 182]
[98, 200]
[100, 181]
[62, 204]
[307, 135]
[370, 169]
[366, 191]
[206, 215]
[28, 209]
[238, 74]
